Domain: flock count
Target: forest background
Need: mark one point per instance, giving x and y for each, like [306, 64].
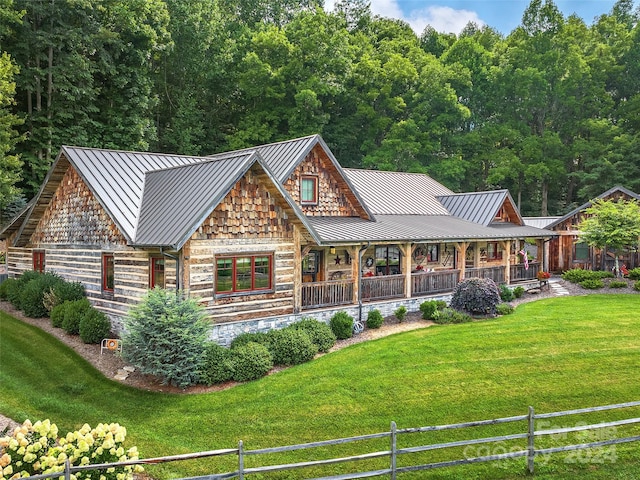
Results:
[550, 111]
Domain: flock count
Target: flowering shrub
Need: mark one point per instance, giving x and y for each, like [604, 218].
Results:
[543, 275]
[34, 449]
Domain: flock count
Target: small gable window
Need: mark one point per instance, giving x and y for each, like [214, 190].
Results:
[309, 190]
[156, 273]
[243, 274]
[38, 261]
[108, 269]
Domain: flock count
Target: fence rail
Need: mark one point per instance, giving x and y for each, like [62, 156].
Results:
[322, 294]
[385, 286]
[494, 273]
[528, 451]
[425, 283]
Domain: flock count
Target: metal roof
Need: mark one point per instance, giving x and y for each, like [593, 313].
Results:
[539, 222]
[388, 193]
[177, 200]
[415, 228]
[477, 207]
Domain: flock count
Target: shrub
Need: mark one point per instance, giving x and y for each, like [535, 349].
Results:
[244, 338]
[374, 319]
[430, 308]
[57, 314]
[32, 295]
[341, 325]
[62, 292]
[506, 294]
[504, 309]
[290, 346]
[450, 315]
[319, 332]
[17, 285]
[94, 326]
[478, 296]
[636, 286]
[591, 284]
[6, 287]
[217, 367]
[518, 292]
[400, 313]
[578, 275]
[617, 284]
[166, 335]
[250, 361]
[634, 273]
[73, 314]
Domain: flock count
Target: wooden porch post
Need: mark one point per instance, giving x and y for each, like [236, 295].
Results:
[185, 273]
[297, 270]
[506, 246]
[355, 271]
[407, 252]
[461, 250]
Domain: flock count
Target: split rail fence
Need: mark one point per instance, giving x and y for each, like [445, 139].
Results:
[527, 450]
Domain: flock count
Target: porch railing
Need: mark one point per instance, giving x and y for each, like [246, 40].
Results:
[424, 283]
[494, 273]
[385, 286]
[518, 272]
[326, 294]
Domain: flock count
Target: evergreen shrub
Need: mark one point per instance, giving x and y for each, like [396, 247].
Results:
[32, 294]
[430, 308]
[577, 275]
[506, 294]
[166, 335]
[518, 292]
[504, 309]
[319, 332]
[57, 314]
[400, 313]
[290, 346]
[450, 315]
[217, 366]
[477, 296]
[14, 295]
[374, 319]
[94, 326]
[62, 292]
[634, 273]
[592, 284]
[617, 284]
[244, 338]
[341, 324]
[73, 314]
[250, 361]
[636, 286]
[5, 288]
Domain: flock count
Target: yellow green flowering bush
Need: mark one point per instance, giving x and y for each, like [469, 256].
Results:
[34, 449]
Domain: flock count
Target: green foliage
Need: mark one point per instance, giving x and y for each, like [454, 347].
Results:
[578, 275]
[319, 332]
[5, 288]
[504, 309]
[64, 291]
[450, 315]
[73, 315]
[634, 273]
[430, 308]
[290, 346]
[479, 296]
[94, 326]
[506, 294]
[250, 362]
[166, 336]
[10, 164]
[613, 225]
[33, 294]
[636, 286]
[58, 313]
[244, 338]
[617, 284]
[217, 366]
[518, 292]
[592, 284]
[341, 324]
[400, 313]
[374, 319]
[15, 287]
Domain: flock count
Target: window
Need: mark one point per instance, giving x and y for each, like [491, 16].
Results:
[387, 261]
[580, 251]
[243, 274]
[107, 272]
[309, 190]
[492, 251]
[38, 261]
[432, 253]
[156, 273]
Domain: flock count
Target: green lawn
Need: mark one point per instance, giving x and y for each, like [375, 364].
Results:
[554, 354]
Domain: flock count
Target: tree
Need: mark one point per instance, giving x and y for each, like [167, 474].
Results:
[612, 225]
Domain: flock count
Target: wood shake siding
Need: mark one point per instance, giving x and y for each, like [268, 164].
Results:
[335, 197]
[74, 216]
[250, 220]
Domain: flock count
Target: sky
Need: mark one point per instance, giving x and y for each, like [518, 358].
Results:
[450, 16]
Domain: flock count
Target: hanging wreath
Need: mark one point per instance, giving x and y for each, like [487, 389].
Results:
[419, 254]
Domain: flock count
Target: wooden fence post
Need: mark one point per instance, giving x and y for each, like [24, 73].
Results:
[531, 451]
[67, 469]
[240, 460]
[393, 451]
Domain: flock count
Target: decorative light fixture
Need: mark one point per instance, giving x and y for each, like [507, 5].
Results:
[332, 250]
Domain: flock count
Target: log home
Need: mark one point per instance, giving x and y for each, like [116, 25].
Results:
[272, 232]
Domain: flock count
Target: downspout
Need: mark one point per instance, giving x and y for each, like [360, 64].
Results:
[360, 252]
[177, 259]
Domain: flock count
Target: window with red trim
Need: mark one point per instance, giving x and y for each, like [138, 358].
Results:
[243, 274]
[156, 272]
[38, 261]
[108, 269]
[309, 190]
[492, 251]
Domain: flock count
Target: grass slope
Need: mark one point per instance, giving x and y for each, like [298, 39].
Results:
[553, 354]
